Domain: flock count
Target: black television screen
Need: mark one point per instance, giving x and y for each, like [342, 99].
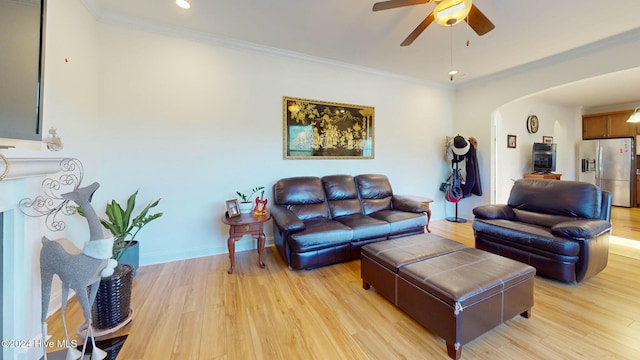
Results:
[544, 158]
[21, 55]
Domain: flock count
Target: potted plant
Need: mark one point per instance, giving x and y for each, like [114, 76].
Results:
[111, 309]
[246, 205]
[121, 225]
[125, 228]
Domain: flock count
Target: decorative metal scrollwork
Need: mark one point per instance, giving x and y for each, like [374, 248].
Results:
[7, 166]
[51, 204]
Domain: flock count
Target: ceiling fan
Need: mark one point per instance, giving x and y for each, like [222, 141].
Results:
[446, 13]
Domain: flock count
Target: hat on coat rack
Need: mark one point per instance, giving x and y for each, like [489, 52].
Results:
[460, 148]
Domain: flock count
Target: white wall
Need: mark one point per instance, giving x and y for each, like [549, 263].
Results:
[191, 122]
[475, 103]
[512, 163]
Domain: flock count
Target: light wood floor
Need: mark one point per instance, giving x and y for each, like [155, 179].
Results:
[626, 222]
[193, 309]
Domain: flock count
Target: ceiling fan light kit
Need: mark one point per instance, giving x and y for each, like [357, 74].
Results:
[451, 12]
[183, 4]
[635, 117]
[446, 13]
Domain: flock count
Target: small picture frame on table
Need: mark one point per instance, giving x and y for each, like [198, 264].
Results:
[232, 208]
[511, 141]
[547, 139]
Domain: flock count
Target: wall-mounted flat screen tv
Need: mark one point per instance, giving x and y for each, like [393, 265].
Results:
[21, 65]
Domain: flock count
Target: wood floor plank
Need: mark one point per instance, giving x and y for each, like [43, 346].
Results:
[193, 309]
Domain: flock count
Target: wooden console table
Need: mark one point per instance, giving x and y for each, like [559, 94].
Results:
[543, 176]
[245, 224]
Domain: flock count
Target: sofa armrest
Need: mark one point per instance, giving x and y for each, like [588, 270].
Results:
[494, 212]
[404, 203]
[581, 229]
[285, 219]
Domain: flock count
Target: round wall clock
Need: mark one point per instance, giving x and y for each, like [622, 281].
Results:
[532, 124]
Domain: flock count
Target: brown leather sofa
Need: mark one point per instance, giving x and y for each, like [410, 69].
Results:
[559, 227]
[321, 221]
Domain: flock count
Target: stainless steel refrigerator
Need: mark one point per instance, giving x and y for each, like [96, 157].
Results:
[608, 163]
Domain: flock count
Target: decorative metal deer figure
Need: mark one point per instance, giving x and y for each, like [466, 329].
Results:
[79, 270]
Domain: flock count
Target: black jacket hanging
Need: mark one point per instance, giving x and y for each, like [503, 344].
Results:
[472, 182]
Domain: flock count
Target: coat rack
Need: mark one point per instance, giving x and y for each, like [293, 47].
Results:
[458, 146]
[456, 218]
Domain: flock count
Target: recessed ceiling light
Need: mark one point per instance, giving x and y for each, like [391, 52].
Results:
[183, 4]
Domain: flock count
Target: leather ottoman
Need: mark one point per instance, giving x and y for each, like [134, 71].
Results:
[457, 292]
[380, 261]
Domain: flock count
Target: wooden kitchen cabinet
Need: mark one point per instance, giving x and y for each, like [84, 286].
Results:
[594, 127]
[608, 125]
[619, 127]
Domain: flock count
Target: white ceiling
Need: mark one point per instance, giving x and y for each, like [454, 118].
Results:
[349, 32]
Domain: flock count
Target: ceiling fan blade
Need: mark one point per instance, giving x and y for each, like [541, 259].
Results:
[392, 4]
[478, 22]
[418, 30]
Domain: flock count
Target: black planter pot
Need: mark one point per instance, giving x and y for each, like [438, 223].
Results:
[131, 255]
[113, 301]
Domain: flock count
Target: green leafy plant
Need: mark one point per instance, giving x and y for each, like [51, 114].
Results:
[121, 224]
[246, 198]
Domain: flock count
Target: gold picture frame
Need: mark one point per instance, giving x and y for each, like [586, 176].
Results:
[315, 129]
[233, 209]
[547, 139]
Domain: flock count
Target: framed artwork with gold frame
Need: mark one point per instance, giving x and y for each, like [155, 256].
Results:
[315, 129]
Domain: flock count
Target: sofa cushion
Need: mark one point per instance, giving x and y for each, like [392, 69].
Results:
[365, 227]
[542, 219]
[304, 196]
[370, 206]
[527, 235]
[342, 196]
[375, 192]
[401, 221]
[309, 211]
[566, 198]
[319, 234]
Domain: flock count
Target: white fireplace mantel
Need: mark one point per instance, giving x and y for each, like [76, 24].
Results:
[29, 163]
[21, 246]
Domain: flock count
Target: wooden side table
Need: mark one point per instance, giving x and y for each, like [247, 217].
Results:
[549, 176]
[426, 201]
[245, 224]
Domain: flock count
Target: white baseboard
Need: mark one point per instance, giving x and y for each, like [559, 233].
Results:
[243, 244]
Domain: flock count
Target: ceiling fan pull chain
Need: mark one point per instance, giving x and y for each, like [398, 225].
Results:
[452, 71]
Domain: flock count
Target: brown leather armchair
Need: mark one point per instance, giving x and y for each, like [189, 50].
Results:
[559, 227]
